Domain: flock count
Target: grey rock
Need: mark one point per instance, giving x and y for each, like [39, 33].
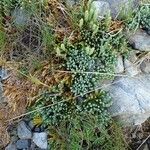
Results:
[119, 66]
[24, 132]
[114, 7]
[21, 17]
[145, 66]
[40, 139]
[71, 2]
[117, 6]
[130, 68]
[101, 7]
[11, 146]
[3, 74]
[31, 124]
[131, 99]
[23, 144]
[133, 57]
[140, 40]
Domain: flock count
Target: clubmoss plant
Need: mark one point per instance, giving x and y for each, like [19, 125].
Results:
[61, 109]
[145, 17]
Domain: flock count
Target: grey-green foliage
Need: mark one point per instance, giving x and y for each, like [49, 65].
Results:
[79, 62]
[62, 109]
[139, 18]
[97, 105]
[6, 6]
[95, 54]
[94, 59]
[145, 17]
[54, 114]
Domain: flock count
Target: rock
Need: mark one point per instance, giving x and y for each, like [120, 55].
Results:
[21, 17]
[11, 146]
[119, 66]
[140, 40]
[23, 144]
[133, 57]
[70, 2]
[131, 99]
[31, 124]
[145, 66]
[130, 68]
[102, 8]
[24, 132]
[118, 5]
[40, 139]
[3, 74]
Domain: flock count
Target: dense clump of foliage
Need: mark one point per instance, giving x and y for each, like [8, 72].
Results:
[139, 18]
[145, 17]
[73, 51]
[62, 109]
[84, 132]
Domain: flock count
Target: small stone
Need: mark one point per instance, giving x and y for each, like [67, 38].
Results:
[31, 124]
[40, 139]
[130, 68]
[3, 74]
[24, 132]
[102, 8]
[140, 41]
[37, 129]
[23, 144]
[119, 66]
[21, 17]
[145, 66]
[11, 147]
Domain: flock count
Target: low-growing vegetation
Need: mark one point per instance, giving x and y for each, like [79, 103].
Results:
[58, 57]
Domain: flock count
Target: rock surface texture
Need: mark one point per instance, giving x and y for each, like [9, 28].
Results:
[40, 139]
[24, 132]
[115, 7]
[131, 99]
[140, 41]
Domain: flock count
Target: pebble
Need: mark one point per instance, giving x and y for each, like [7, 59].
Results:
[23, 144]
[40, 139]
[11, 146]
[23, 131]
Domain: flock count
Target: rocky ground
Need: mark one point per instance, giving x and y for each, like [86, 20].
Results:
[130, 92]
[24, 135]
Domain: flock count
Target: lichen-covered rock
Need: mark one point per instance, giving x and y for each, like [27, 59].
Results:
[140, 40]
[131, 99]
